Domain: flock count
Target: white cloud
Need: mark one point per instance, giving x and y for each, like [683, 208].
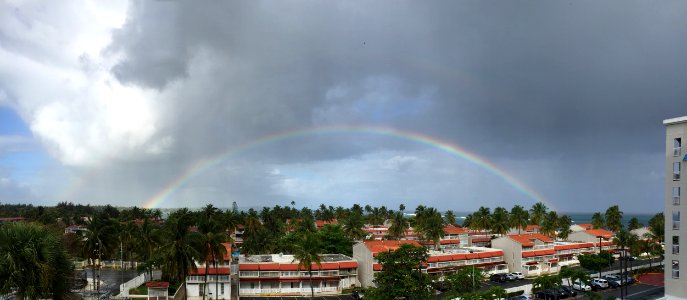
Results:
[56, 76]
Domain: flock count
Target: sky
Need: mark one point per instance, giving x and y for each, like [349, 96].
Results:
[450, 104]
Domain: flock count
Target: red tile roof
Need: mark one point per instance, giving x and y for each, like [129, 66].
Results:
[603, 233]
[527, 239]
[573, 246]
[321, 223]
[157, 284]
[211, 271]
[387, 245]
[586, 226]
[450, 229]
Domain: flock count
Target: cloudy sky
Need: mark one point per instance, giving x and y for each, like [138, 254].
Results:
[175, 104]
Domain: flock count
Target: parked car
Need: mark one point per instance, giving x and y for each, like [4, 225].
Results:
[498, 278]
[572, 292]
[599, 283]
[358, 294]
[550, 294]
[518, 275]
[613, 280]
[511, 277]
[581, 286]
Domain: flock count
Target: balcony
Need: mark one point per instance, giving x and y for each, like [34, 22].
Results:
[676, 151]
[676, 225]
[676, 249]
[676, 200]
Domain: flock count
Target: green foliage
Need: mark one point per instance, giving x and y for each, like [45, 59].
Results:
[634, 224]
[500, 223]
[546, 282]
[537, 213]
[598, 220]
[564, 223]
[307, 253]
[401, 276]
[33, 261]
[657, 226]
[614, 218]
[399, 224]
[450, 217]
[465, 280]
[519, 217]
[596, 262]
[550, 224]
[334, 240]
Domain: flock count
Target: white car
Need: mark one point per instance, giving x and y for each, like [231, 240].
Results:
[581, 286]
[511, 277]
[518, 275]
[600, 282]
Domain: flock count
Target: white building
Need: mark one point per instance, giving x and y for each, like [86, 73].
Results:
[602, 238]
[281, 275]
[676, 158]
[440, 262]
[531, 253]
[581, 227]
[218, 281]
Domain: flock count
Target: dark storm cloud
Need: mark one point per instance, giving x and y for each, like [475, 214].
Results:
[568, 96]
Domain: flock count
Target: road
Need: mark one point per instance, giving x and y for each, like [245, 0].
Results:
[112, 279]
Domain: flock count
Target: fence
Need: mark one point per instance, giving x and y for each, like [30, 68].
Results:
[133, 283]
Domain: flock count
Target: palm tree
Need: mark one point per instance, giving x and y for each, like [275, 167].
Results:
[614, 218]
[549, 224]
[433, 227]
[450, 217]
[33, 262]
[519, 217]
[181, 250]
[307, 253]
[598, 220]
[634, 224]
[500, 221]
[213, 236]
[537, 213]
[353, 226]
[99, 237]
[468, 221]
[564, 223]
[148, 240]
[481, 219]
[624, 239]
[398, 227]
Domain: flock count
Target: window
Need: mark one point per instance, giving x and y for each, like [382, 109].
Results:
[676, 170]
[221, 288]
[676, 195]
[676, 269]
[676, 244]
[676, 219]
[677, 144]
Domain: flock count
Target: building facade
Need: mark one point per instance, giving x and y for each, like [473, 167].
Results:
[675, 232]
[213, 280]
[447, 260]
[601, 238]
[281, 275]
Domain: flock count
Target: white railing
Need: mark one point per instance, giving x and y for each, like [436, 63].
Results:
[133, 283]
[303, 291]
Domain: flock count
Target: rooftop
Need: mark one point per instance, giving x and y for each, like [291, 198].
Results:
[675, 120]
[600, 233]
[288, 258]
[527, 239]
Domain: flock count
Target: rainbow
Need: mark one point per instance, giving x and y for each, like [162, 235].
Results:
[453, 149]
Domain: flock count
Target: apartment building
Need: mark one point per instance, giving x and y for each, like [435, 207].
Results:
[280, 275]
[444, 261]
[601, 238]
[530, 253]
[218, 281]
[675, 232]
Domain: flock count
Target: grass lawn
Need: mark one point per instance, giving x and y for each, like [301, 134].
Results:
[141, 290]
